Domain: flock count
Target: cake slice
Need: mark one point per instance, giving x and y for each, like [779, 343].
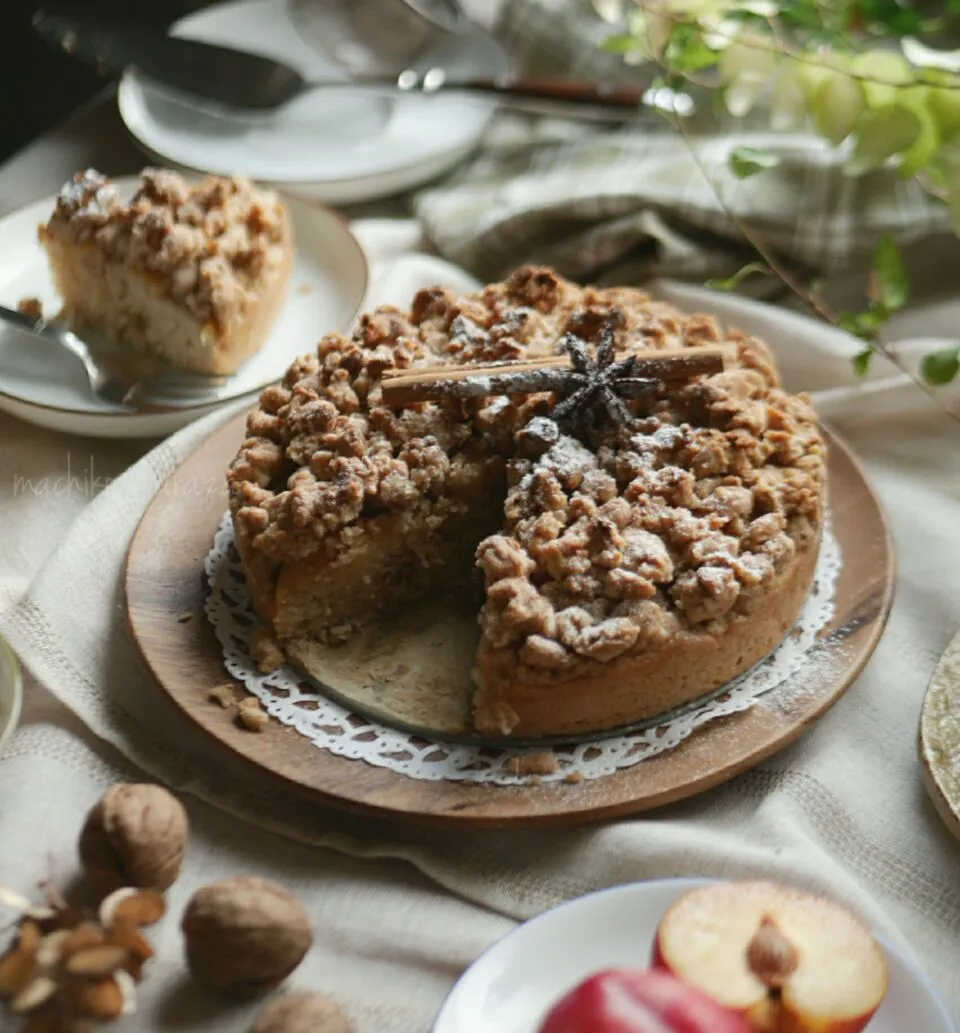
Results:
[194, 275]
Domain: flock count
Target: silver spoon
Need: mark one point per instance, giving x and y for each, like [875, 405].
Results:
[125, 380]
[244, 82]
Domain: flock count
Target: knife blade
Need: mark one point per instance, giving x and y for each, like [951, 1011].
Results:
[235, 78]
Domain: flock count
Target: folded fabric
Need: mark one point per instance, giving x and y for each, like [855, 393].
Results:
[621, 205]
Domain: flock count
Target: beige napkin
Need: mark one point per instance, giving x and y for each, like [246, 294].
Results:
[842, 811]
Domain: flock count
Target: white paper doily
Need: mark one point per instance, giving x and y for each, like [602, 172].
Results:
[330, 726]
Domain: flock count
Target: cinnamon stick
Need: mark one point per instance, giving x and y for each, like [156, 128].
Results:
[545, 373]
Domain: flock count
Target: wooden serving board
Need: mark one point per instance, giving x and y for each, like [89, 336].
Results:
[163, 583]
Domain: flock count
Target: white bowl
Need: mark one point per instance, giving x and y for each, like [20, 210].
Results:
[11, 693]
[511, 987]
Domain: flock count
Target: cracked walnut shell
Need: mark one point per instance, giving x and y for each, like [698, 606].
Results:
[245, 935]
[135, 836]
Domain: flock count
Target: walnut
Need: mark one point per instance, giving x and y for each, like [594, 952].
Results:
[302, 1013]
[245, 935]
[136, 835]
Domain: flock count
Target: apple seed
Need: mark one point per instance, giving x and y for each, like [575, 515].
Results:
[771, 956]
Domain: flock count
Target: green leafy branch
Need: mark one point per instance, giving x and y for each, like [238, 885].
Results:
[829, 64]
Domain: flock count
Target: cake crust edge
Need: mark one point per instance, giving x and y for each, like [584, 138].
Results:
[609, 698]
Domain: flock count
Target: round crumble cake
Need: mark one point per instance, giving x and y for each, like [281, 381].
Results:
[626, 570]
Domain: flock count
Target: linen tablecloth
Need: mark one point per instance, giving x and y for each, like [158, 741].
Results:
[398, 911]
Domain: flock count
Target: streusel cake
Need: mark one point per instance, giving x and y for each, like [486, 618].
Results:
[194, 275]
[626, 569]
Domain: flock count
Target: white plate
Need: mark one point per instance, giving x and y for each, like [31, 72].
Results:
[332, 146]
[512, 987]
[11, 693]
[44, 385]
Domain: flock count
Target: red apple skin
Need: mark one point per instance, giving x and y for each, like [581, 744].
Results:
[757, 1020]
[626, 1001]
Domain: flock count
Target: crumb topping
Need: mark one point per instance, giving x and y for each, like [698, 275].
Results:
[208, 243]
[609, 545]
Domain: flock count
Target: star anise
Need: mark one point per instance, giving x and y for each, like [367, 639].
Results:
[597, 380]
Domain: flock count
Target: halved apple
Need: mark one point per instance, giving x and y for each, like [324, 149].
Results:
[791, 962]
[625, 1001]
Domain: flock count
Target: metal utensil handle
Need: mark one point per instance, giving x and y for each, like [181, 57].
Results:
[41, 328]
[612, 95]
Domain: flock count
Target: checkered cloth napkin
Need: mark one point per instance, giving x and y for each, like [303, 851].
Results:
[622, 204]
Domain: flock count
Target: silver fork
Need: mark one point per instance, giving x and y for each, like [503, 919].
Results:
[124, 380]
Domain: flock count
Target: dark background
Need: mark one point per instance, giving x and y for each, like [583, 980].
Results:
[40, 86]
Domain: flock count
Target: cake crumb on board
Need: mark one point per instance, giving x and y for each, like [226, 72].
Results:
[223, 696]
[543, 763]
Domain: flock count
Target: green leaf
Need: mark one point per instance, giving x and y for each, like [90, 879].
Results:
[888, 15]
[941, 367]
[882, 133]
[620, 44]
[892, 280]
[928, 141]
[837, 105]
[731, 283]
[861, 362]
[945, 108]
[686, 51]
[863, 324]
[748, 161]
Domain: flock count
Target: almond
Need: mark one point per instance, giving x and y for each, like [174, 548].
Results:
[89, 934]
[97, 962]
[36, 993]
[141, 907]
[125, 934]
[17, 968]
[103, 999]
[50, 950]
[29, 936]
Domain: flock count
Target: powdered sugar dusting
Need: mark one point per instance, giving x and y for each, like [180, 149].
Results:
[565, 459]
[89, 195]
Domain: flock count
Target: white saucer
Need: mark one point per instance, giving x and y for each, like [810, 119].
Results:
[334, 146]
[44, 385]
[512, 987]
